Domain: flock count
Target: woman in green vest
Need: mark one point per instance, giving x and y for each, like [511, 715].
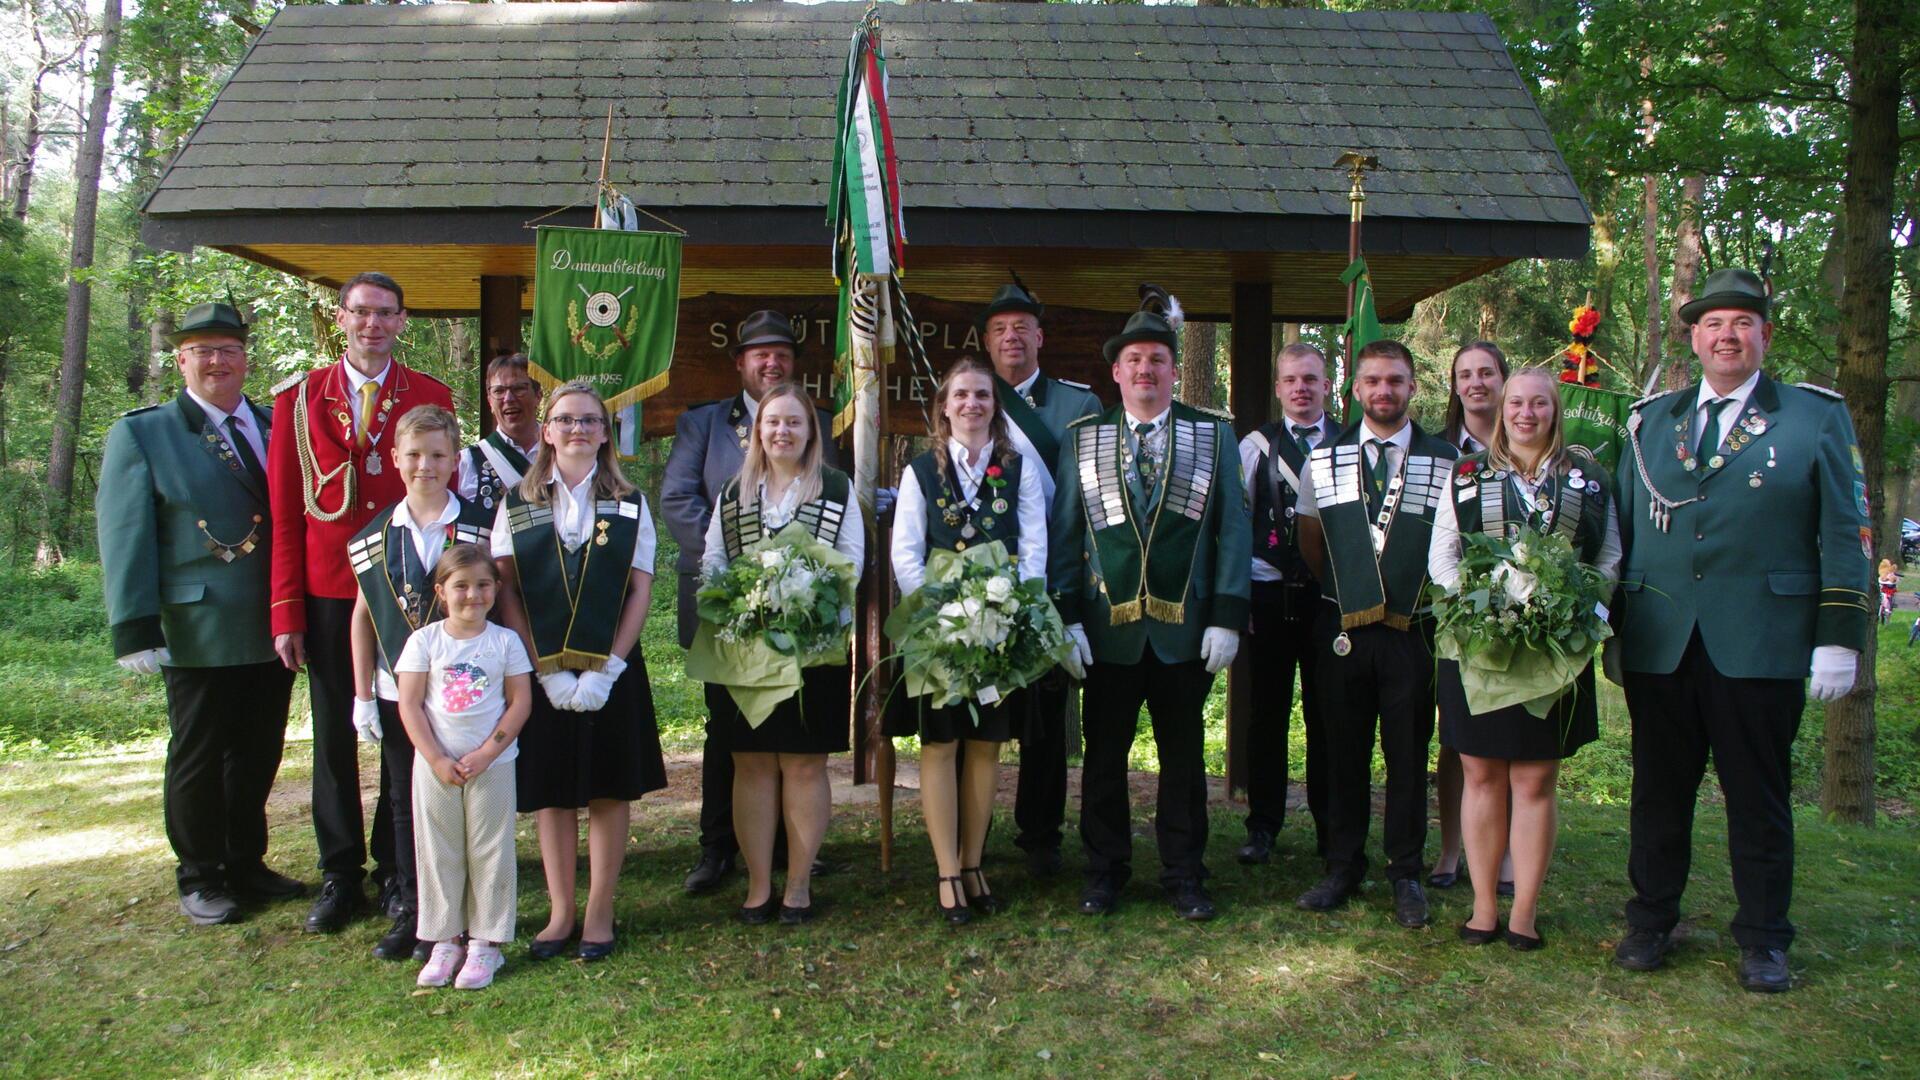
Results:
[780, 767]
[575, 543]
[1526, 479]
[971, 490]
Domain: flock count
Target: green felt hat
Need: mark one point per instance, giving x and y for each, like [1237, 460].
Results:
[1144, 326]
[1729, 288]
[214, 318]
[1012, 296]
[765, 328]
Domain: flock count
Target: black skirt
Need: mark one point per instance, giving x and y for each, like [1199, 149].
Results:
[1513, 733]
[817, 720]
[998, 723]
[568, 759]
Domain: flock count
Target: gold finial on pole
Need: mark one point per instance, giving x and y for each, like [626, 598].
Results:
[1357, 165]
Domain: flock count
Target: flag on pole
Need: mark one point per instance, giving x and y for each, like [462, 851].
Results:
[606, 304]
[1362, 328]
[864, 212]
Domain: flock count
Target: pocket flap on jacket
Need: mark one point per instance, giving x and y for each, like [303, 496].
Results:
[188, 593]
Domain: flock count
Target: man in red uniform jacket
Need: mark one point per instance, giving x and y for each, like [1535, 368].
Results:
[329, 470]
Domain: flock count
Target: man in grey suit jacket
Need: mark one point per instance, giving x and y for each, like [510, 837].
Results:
[709, 445]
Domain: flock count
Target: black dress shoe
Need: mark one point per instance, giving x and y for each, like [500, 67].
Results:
[260, 883]
[1479, 937]
[591, 951]
[339, 903]
[823, 868]
[959, 914]
[422, 951]
[708, 873]
[1045, 862]
[542, 949]
[1328, 894]
[1100, 897]
[982, 900]
[1764, 971]
[211, 906]
[400, 940]
[797, 916]
[1409, 903]
[1519, 942]
[1190, 901]
[759, 914]
[1257, 850]
[1643, 950]
[1444, 881]
[386, 895]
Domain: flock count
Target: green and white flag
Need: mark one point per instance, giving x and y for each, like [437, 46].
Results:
[1596, 420]
[606, 304]
[1362, 330]
[863, 209]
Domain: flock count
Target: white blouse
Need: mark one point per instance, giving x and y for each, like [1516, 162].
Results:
[910, 518]
[1443, 551]
[573, 520]
[851, 541]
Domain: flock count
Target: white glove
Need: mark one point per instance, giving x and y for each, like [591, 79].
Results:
[1076, 664]
[1218, 647]
[596, 686]
[1834, 668]
[366, 720]
[561, 687]
[147, 661]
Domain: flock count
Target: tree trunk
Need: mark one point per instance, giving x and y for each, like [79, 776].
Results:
[1866, 309]
[1650, 236]
[1199, 342]
[159, 352]
[1686, 271]
[73, 348]
[29, 149]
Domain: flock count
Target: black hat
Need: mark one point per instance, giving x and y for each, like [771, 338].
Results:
[765, 328]
[214, 318]
[1011, 297]
[1729, 288]
[1144, 326]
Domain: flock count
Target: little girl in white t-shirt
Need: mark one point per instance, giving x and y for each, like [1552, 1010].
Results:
[465, 691]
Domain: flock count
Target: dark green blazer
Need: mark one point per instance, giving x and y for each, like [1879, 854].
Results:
[1771, 557]
[168, 485]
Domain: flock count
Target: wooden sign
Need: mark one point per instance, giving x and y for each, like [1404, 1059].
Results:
[703, 359]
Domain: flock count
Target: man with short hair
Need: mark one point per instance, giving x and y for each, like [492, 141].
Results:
[709, 445]
[1286, 599]
[329, 473]
[1366, 506]
[183, 513]
[497, 462]
[1721, 621]
[1148, 561]
[1038, 409]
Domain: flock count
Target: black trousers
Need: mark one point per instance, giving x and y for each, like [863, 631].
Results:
[716, 777]
[227, 726]
[1749, 726]
[339, 825]
[1387, 678]
[396, 785]
[1040, 799]
[1282, 643]
[1174, 695]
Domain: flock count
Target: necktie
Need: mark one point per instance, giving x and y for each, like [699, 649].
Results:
[1147, 462]
[244, 450]
[1377, 476]
[1300, 433]
[413, 572]
[368, 391]
[1708, 431]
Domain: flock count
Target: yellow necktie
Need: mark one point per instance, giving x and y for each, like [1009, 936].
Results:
[368, 391]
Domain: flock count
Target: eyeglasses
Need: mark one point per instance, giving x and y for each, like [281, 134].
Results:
[204, 353]
[382, 313]
[507, 390]
[577, 423]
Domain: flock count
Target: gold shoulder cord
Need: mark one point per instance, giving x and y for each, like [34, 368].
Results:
[309, 486]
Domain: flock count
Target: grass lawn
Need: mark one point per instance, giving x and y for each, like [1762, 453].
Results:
[99, 975]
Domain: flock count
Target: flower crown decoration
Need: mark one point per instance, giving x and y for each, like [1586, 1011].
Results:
[1578, 364]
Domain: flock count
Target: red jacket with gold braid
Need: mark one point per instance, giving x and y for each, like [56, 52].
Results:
[309, 554]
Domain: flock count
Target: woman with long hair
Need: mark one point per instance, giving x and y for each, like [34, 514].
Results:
[1527, 479]
[575, 544]
[970, 489]
[780, 767]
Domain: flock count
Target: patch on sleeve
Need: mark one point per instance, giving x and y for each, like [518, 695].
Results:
[1866, 543]
[1859, 465]
[1860, 498]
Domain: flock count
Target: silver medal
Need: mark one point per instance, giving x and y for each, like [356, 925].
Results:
[373, 464]
[1342, 644]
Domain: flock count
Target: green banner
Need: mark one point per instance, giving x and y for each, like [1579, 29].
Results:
[606, 304]
[1596, 420]
[1361, 330]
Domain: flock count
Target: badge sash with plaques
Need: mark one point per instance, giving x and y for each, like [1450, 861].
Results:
[398, 603]
[1572, 503]
[574, 597]
[953, 524]
[498, 465]
[1147, 572]
[741, 525]
[1378, 559]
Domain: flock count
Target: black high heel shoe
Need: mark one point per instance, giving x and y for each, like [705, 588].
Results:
[986, 902]
[959, 914]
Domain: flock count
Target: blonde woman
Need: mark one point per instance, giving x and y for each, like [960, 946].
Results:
[1527, 478]
[780, 767]
[575, 544]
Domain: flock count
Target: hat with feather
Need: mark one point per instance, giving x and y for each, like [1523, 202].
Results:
[1159, 319]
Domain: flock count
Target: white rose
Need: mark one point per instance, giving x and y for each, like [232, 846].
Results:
[953, 611]
[973, 607]
[1516, 583]
[999, 589]
[770, 558]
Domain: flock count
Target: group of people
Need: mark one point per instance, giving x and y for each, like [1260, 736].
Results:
[477, 611]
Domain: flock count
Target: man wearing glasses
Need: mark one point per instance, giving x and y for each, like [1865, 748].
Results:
[330, 467]
[497, 462]
[182, 513]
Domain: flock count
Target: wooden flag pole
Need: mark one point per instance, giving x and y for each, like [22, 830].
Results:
[606, 156]
[1356, 165]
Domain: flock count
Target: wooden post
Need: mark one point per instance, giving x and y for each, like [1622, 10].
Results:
[499, 329]
[1250, 398]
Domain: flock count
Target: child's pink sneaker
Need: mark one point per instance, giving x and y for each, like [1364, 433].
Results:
[482, 962]
[446, 959]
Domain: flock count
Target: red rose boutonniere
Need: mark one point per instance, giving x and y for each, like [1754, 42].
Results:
[994, 478]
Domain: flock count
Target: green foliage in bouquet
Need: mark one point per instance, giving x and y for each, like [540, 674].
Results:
[974, 632]
[785, 604]
[1525, 619]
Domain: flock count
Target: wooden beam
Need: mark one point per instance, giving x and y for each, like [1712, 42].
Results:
[1250, 397]
[499, 329]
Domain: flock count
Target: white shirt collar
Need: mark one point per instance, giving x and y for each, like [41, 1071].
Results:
[958, 451]
[219, 415]
[753, 407]
[1738, 397]
[1318, 423]
[1026, 384]
[1402, 438]
[1158, 422]
[355, 380]
[586, 483]
[403, 518]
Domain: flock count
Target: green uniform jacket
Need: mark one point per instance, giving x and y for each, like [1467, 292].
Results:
[1771, 560]
[168, 486]
[1218, 584]
[1057, 403]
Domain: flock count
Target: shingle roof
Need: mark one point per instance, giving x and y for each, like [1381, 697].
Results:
[997, 107]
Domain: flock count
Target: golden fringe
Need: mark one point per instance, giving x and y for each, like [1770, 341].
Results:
[1122, 614]
[642, 392]
[843, 421]
[1166, 611]
[572, 660]
[1372, 615]
[1397, 622]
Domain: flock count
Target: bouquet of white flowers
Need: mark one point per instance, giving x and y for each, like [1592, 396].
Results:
[1524, 621]
[784, 604]
[974, 632]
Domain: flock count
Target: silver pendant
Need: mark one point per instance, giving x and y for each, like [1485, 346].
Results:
[373, 464]
[966, 532]
[1379, 544]
[1342, 644]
